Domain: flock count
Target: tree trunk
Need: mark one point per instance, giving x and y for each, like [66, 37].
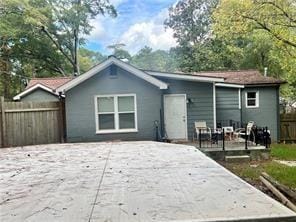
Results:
[76, 63]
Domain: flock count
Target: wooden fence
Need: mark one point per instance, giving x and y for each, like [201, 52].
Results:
[29, 123]
[288, 127]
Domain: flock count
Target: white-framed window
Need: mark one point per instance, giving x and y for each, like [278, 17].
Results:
[252, 99]
[116, 113]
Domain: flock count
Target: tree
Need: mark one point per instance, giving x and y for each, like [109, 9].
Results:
[275, 17]
[270, 28]
[70, 21]
[119, 52]
[190, 20]
[88, 59]
[158, 60]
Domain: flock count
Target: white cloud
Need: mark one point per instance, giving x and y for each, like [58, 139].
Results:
[98, 29]
[151, 33]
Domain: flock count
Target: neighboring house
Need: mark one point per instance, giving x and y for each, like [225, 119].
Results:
[42, 89]
[115, 100]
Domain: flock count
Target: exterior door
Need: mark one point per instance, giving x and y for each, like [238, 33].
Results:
[175, 116]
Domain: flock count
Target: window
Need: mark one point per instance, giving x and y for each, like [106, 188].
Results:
[252, 99]
[116, 113]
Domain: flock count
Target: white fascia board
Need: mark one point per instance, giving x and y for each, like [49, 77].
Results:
[29, 90]
[105, 64]
[186, 77]
[230, 85]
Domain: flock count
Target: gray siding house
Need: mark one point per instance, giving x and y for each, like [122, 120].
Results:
[116, 101]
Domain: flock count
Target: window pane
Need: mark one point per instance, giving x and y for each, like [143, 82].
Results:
[106, 104]
[251, 102]
[106, 121]
[251, 95]
[125, 103]
[127, 121]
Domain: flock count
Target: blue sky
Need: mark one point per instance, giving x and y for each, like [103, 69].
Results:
[139, 23]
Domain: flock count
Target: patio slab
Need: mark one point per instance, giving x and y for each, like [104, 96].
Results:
[126, 181]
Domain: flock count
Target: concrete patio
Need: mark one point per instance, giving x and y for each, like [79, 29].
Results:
[126, 181]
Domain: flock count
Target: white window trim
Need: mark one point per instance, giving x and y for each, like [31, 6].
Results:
[116, 114]
[256, 100]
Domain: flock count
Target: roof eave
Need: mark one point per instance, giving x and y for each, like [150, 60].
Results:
[185, 77]
[139, 73]
[33, 88]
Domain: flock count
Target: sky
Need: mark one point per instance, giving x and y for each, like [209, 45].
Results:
[138, 23]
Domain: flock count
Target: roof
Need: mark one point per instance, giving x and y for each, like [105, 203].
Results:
[110, 61]
[244, 77]
[46, 84]
[52, 83]
[241, 77]
[186, 77]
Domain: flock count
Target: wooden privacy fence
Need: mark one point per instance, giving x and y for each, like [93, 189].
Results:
[288, 127]
[30, 123]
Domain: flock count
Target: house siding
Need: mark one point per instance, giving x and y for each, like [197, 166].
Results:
[227, 105]
[267, 112]
[39, 95]
[201, 95]
[80, 110]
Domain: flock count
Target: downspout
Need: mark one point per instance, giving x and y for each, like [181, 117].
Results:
[240, 106]
[278, 113]
[214, 106]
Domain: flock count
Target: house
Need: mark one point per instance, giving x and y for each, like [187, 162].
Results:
[42, 89]
[115, 100]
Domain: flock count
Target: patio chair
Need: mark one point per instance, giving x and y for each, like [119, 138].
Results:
[228, 132]
[202, 129]
[241, 132]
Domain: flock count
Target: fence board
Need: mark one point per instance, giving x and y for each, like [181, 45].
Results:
[288, 127]
[29, 123]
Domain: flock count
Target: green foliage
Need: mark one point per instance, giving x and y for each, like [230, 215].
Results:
[88, 58]
[269, 27]
[42, 38]
[190, 20]
[158, 60]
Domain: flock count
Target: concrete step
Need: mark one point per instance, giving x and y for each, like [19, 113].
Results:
[241, 158]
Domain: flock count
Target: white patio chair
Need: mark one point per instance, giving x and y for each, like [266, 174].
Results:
[201, 128]
[228, 131]
[240, 132]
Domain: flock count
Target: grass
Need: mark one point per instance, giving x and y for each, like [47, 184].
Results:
[284, 174]
[252, 171]
[284, 151]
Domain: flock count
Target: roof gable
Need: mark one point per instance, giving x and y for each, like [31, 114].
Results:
[32, 89]
[112, 61]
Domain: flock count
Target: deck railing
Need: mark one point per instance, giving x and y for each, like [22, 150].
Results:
[219, 138]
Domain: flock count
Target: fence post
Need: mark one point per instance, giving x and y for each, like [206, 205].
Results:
[199, 137]
[223, 139]
[3, 122]
[62, 121]
[266, 137]
[246, 138]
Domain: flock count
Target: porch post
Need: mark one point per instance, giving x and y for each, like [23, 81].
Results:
[214, 106]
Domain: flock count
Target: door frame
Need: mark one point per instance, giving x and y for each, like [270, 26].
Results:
[185, 108]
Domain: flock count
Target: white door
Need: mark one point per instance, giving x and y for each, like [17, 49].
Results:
[175, 116]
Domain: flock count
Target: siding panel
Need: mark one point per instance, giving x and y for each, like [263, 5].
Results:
[201, 95]
[39, 95]
[267, 112]
[227, 104]
[80, 111]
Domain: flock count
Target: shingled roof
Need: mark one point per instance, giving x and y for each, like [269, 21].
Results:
[52, 83]
[244, 77]
[241, 77]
